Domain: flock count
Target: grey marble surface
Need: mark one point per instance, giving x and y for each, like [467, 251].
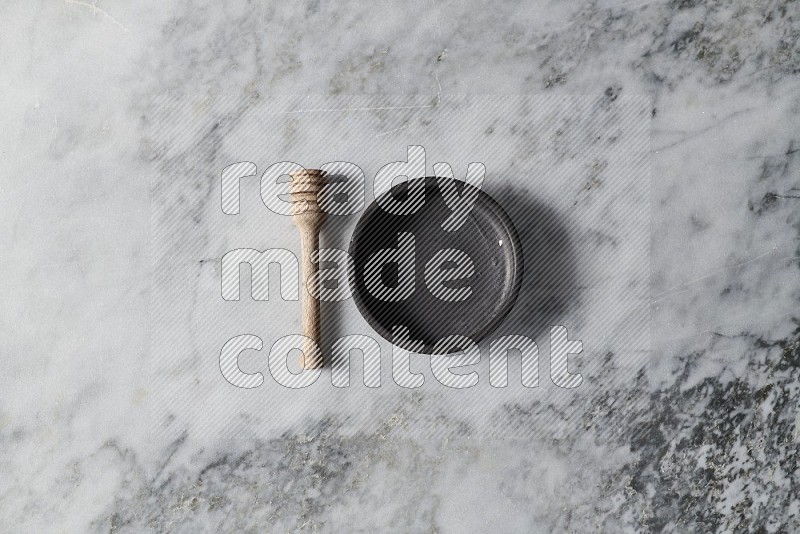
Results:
[699, 434]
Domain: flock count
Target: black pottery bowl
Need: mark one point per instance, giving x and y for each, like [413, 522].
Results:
[487, 236]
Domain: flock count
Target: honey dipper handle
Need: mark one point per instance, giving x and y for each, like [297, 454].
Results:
[309, 242]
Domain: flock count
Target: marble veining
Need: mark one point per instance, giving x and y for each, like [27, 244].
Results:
[698, 435]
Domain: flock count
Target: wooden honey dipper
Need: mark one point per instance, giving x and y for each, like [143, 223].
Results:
[309, 218]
